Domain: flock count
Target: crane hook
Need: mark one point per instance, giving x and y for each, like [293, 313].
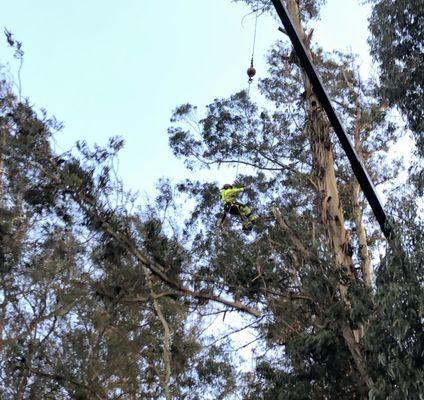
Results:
[251, 71]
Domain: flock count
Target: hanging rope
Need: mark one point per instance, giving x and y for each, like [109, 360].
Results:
[251, 71]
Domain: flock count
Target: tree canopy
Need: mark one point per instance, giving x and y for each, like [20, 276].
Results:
[102, 297]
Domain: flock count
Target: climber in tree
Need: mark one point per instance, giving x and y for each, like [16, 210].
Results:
[231, 205]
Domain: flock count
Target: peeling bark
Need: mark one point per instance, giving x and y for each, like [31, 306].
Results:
[362, 238]
[328, 200]
[319, 133]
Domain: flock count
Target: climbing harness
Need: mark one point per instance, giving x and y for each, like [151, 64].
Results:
[235, 209]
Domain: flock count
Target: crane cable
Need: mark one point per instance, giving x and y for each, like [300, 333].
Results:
[251, 71]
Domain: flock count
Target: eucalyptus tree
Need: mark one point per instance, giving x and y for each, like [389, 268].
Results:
[309, 270]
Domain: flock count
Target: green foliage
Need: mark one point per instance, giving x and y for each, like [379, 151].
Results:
[79, 314]
[395, 338]
[84, 315]
[397, 29]
[297, 288]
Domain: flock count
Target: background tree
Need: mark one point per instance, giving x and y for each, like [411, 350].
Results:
[92, 298]
[397, 36]
[395, 336]
[396, 43]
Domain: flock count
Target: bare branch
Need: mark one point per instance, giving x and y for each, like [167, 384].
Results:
[307, 255]
[166, 337]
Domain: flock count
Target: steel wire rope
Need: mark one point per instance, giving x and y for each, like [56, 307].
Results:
[250, 68]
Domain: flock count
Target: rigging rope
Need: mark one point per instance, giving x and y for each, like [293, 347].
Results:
[251, 71]
[254, 34]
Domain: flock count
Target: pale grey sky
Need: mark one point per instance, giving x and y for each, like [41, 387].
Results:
[109, 68]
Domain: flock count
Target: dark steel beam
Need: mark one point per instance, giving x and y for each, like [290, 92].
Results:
[355, 162]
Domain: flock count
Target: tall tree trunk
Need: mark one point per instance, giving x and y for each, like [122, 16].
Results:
[357, 212]
[328, 200]
[2, 152]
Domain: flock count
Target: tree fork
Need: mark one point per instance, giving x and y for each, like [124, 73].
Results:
[328, 200]
[357, 212]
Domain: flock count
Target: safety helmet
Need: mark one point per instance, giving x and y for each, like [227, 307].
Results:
[227, 186]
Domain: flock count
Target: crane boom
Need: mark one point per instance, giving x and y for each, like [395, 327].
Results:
[320, 92]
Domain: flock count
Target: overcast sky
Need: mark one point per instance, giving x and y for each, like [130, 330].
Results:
[109, 68]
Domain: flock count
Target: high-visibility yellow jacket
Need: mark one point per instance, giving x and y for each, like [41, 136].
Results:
[229, 195]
